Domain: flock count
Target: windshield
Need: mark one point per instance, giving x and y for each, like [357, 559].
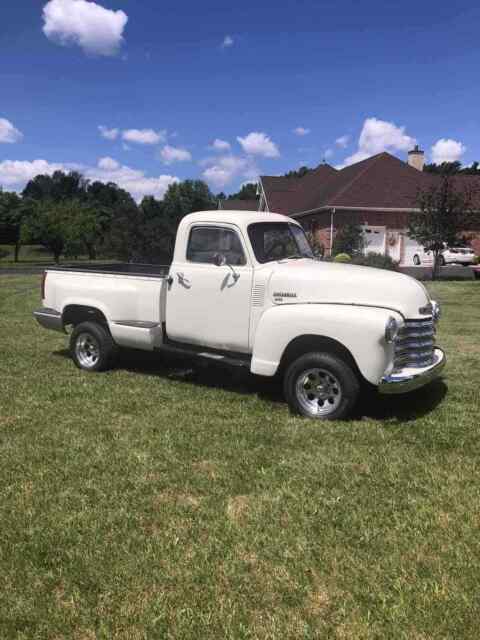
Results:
[278, 240]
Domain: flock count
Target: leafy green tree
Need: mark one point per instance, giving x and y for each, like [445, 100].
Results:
[57, 187]
[11, 215]
[66, 227]
[247, 192]
[349, 239]
[180, 199]
[298, 173]
[115, 216]
[444, 213]
[452, 168]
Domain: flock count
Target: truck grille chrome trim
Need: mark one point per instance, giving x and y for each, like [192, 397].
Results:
[414, 345]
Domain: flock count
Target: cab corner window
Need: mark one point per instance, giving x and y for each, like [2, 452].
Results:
[206, 242]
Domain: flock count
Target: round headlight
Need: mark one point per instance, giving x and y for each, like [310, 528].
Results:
[391, 330]
[436, 311]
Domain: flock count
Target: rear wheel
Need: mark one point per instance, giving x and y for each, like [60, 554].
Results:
[321, 386]
[441, 261]
[92, 347]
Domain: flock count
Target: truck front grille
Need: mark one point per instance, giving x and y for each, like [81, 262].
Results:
[414, 344]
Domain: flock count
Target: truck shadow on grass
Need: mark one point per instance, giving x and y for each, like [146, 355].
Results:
[371, 405]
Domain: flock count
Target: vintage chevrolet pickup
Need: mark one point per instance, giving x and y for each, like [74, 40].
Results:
[244, 288]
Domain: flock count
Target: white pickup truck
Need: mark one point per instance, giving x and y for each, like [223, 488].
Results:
[244, 288]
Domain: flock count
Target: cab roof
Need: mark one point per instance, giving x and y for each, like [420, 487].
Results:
[239, 218]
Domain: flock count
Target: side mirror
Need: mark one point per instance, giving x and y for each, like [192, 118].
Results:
[219, 260]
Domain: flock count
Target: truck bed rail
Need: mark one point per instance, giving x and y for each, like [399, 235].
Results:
[116, 268]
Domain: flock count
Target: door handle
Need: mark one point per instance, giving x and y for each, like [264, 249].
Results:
[185, 282]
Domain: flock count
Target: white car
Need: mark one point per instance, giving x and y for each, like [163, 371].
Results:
[450, 255]
[244, 289]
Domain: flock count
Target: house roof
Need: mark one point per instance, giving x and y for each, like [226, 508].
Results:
[237, 204]
[289, 195]
[382, 182]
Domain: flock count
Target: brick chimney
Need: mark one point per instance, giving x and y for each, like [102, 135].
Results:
[416, 158]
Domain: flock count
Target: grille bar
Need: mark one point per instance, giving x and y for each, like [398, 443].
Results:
[414, 344]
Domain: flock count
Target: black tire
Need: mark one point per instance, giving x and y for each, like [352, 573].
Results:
[416, 260]
[441, 261]
[302, 389]
[92, 347]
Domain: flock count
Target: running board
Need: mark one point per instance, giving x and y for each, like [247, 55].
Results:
[206, 355]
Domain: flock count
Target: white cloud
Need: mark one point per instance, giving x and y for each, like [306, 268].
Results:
[144, 136]
[328, 153]
[301, 131]
[227, 42]
[108, 164]
[8, 133]
[108, 134]
[257, 143]
[132, 180]
[342, 141]
[171, 154]
[220, 145]
[15, 174]
[377, 136]
[447, 150]
[96, 30]
[221, 170]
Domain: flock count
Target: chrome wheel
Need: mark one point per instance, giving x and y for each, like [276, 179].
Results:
[318, 392]
[87, 350]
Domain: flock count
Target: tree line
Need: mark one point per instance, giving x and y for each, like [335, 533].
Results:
[71, 217]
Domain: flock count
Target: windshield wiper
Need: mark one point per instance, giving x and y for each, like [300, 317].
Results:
[296, 256]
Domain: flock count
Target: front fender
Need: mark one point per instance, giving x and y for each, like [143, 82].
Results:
[361, 330]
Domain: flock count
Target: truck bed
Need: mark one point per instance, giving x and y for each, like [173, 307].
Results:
[116, 269]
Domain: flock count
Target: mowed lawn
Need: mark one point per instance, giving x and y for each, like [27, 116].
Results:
[156, 501]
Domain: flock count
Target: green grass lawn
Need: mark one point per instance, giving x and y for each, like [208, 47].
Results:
[155, 501]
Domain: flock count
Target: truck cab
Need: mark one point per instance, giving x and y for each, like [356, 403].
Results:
[246, 289]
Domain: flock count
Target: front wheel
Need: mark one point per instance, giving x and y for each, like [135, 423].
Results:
[92, 347]
[416, 260]
[321, 386]
[441, 261]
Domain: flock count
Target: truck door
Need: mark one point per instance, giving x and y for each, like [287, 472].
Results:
[208, 301]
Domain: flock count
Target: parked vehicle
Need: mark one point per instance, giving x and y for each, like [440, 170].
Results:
[450, 255]
[245, 289]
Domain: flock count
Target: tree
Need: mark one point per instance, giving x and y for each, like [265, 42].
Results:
[444, 213]
[299, 173]
[180, 199]
[11, 215]
[452, 168]
[349, 239]
[57, 187]
[247, 192]
[61, 227]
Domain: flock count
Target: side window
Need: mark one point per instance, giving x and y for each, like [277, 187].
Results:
[205, 242]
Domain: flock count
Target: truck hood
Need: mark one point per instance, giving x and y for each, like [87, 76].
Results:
[310, 281]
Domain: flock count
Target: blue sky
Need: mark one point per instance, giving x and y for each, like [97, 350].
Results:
[167, 79]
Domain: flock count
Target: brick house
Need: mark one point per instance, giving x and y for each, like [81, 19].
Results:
[378, 193]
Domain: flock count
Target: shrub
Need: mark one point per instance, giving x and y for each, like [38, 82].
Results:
[349, 239]
[342, 257]
[377, 260]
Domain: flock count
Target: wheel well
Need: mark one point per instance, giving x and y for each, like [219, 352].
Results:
[308, 343]
[76, 314]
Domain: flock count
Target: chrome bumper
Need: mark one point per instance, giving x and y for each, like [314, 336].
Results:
[49, 319]
[410, 379]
